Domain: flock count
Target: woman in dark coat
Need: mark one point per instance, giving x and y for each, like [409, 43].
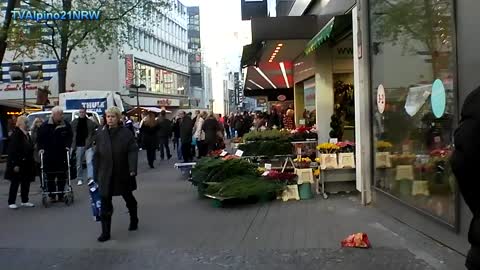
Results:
[149, 130]
[116, 157]
[20, 164]
[211, 126]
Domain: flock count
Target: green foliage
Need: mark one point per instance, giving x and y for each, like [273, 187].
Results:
[218, 170]
[344, 109]
[244, 187]
[266, 135]
[87, 38]
[267, 148]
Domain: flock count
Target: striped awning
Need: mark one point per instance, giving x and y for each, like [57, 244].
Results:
[337, 27]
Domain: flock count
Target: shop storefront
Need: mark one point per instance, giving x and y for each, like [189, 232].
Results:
[415, 90]
[406, 68]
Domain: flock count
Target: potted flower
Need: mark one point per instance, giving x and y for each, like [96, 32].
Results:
[382, 157]
[328, 155]
[346, 158]
[439, 162]
[282, 177]
[346, 147]
[303, 133]
[403, 159]
[383, 146]
[302, 163]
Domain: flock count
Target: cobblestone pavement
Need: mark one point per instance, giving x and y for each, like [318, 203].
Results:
[180, 231]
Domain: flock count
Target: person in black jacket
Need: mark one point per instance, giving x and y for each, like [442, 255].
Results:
[20, 164]
[176, 137]
[54, 139]
[464, 163]
[149, 131]
[164, 134]
[116, 158]
[211, 127]
[186, 133]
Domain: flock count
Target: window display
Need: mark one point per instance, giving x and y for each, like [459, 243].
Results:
[415, 106]
[161, 81]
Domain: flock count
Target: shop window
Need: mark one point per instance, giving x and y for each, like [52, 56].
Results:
[415, 105]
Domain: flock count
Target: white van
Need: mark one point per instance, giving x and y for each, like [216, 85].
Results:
[69, 116]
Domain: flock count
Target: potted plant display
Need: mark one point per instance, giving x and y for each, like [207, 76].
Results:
[328, 155]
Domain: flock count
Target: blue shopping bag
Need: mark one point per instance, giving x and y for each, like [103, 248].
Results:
[194, 141]
[94, 199]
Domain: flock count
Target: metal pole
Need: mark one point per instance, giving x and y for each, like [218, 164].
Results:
[138, 104]
[24, 89]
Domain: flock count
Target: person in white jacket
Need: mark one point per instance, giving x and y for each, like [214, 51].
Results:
[199, 134]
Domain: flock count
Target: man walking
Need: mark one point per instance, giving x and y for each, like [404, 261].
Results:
[54, 139]
[176, 137]
[83, 130]
[164, 134]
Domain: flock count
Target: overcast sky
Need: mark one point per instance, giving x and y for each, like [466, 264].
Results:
[222, 30]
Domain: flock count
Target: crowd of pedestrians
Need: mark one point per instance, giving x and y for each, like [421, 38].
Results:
[110, 151]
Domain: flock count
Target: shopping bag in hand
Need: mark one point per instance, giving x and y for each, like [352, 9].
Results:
[358, 240]
[94, 199]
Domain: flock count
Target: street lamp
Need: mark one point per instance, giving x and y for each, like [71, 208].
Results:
[19, 72]
[141, 87]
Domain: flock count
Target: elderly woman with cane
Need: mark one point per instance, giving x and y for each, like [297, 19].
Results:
[116, 157]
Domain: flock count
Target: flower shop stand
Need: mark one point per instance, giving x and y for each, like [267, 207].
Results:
[337, 180]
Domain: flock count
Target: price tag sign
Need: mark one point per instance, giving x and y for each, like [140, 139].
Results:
[224, 153]
[239, 153]
[268, 166]
[334, 140]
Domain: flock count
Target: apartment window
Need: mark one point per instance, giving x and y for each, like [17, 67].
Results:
[150, 43]
[142, 41]
[136, 38]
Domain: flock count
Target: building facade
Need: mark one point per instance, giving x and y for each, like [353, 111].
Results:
[195, 60]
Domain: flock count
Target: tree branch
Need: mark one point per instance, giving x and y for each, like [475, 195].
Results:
[51, 45]
[75, 44]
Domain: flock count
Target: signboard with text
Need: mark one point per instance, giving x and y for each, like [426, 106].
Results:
[98, 105]
[129, 70]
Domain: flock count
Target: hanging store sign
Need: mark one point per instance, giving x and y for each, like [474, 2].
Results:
[261, 101]
[168, 102]
[282, 98]
[18, 87]
[129, 70]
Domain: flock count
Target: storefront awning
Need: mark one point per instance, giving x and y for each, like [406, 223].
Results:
[270, 31]
[337, 27]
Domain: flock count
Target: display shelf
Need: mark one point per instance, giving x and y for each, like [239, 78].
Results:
[338, 180]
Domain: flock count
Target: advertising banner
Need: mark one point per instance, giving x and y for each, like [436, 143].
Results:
[98, 105]
[309, 94]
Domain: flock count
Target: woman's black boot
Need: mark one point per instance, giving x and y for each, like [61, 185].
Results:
[133, 219]
[106, 225]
